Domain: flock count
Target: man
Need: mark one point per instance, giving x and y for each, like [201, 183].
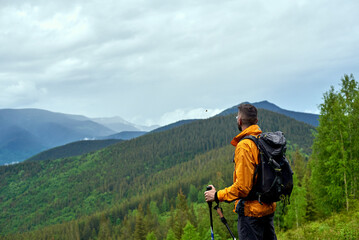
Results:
[255, 219]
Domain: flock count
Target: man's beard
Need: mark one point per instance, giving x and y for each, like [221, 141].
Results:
[240, 128]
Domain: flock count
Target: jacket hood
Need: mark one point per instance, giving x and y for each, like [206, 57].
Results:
[251, 130]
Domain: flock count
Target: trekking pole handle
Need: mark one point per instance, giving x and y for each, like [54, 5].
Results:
[210, 214]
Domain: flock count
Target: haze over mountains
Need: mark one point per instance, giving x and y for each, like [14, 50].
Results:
[27, 132]
[119, 124]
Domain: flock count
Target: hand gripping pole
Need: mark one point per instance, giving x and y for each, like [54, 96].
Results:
[210, 214]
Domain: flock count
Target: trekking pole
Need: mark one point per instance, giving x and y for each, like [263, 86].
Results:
[210, 214]
[223, 219]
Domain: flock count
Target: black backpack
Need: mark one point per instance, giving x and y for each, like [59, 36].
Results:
[275, 176]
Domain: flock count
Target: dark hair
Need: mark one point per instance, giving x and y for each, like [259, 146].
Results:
[248, 113]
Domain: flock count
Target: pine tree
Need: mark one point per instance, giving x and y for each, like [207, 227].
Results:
[216, 236]
[181, 215]
[165, 206]
[140, 229]
[105, 229]
[355, 144]
[296, 211]
[299, 165]
[200, 196]
[189, 232]
[171, 235]
[154, 209]
[151, 236]
[151, 218]
[127, 228]
[86, 232]
[193, 193]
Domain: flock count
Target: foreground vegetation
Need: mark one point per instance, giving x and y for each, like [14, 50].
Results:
[339, 226]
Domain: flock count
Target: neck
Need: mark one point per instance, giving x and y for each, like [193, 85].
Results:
[244, 127]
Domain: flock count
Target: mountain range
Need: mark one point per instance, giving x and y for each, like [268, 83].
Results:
[27, 132]
[101, 188]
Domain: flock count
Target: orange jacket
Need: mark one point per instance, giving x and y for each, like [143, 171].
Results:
[245, 159]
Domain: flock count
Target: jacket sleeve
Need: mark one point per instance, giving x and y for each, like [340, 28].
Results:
[243, 175]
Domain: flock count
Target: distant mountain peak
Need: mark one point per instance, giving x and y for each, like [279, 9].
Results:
[267, 105]
[309, 118]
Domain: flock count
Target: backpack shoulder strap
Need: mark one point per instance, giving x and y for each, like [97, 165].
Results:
[253, 138]
[251, 194]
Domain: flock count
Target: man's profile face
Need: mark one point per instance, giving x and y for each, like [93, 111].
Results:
[239, 122]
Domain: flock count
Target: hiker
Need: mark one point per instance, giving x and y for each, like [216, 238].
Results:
[255, 218]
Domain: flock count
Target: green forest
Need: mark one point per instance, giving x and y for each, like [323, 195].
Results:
[152, 187]
[73, 149]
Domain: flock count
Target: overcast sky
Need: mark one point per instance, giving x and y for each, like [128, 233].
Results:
[155, 62]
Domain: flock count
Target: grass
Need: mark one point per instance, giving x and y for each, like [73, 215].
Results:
[343, 225]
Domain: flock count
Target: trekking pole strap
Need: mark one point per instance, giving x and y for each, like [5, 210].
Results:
[223, 219]
[220, 213]
[219, 210]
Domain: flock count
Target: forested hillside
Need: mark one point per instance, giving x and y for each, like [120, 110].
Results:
[111, 182]
[73, 149]
[163, 204]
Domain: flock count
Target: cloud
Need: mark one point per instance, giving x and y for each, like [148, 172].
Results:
[142, 59]
[19, 93]
[181, 114]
